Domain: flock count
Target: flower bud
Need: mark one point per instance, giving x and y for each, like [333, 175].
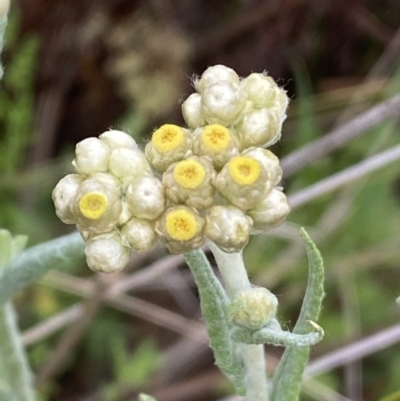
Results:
[139, 234]
[281, 104]
[216, 142]
[190, 181]
[191, 111]
[106, 254]
[243, 181]
[126, 213]
[145, 197]
[228, 227]
[107, 179]
[128, 164]
[214, 74]
[261, 89]
[260, 127]
[169, 143]
[269, 161]
[253, 308]
[181, 228]
[270, 213]
[222, 102]
[118, 139]
[96, 207]
[63, 196]
[92, 156]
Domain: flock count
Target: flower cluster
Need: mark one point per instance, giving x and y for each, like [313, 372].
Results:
[211, 180]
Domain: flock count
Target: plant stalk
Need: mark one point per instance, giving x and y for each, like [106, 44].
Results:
[234, 274]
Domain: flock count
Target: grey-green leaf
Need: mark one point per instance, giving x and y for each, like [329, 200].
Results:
[214, 302]
[33, 263]
[287, 379]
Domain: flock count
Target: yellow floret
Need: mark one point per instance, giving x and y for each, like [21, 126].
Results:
[93, 205]
[216, 137]
[189, 173]
[181, 225]
[244, 170]
[167, 137]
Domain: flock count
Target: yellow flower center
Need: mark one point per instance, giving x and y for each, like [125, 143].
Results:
[244, 170]
[216, 137]
[189, 173]
[181, 225]
[93, 205]
[168, 137]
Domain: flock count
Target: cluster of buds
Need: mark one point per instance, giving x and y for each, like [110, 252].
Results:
[213, 180]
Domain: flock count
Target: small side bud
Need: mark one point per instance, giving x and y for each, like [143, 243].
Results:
[118, 139]
[270, 213]
[222, 102]
[253, 308]
[191, 111]
[63, 196]
[139, 234]
[92, 156]
[145, 197]
[228, 227]
[214, 74]
[169, 144]
[181, 228]
[244, 182]
[106, 254]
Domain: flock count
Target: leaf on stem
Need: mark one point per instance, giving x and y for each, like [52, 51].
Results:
[214, 302]
[288, 375]
[33, 263]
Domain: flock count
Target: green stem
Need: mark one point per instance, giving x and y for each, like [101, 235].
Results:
[232, 269]
[277, 338]
[235, 277]
[13, 358]
[33, 263]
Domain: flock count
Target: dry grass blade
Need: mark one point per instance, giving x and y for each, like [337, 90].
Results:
[134, 306]
[345, 177]
[53, 324]
[340, 136]
[355, 351]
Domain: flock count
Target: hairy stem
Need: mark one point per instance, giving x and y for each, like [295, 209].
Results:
[235, 277]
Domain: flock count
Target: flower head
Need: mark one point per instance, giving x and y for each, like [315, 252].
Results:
[212, 181]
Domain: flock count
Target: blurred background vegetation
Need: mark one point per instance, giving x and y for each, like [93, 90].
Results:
[75, 69]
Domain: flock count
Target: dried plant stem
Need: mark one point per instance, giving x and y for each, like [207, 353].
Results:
[345, 177]
[340, 136]
[51, 325]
